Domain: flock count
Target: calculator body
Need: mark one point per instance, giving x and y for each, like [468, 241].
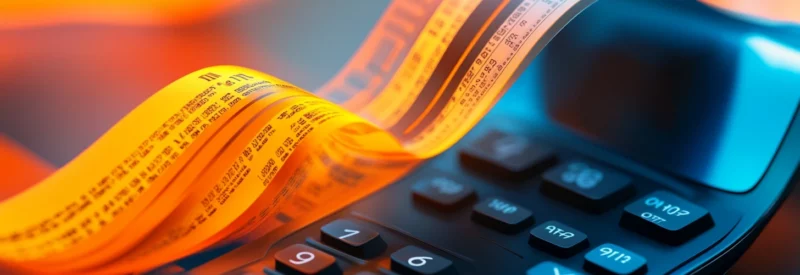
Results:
[629, 146]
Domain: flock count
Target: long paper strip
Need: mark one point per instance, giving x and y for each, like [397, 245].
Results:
[225, 150]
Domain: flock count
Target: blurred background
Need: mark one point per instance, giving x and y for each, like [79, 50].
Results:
[71, 69]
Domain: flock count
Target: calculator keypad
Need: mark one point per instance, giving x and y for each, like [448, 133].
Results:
[429, 223]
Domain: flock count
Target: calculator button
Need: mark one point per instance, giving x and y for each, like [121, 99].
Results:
[500, 154]
[502, 215]
[551, 268]
[352, 238]
[412, 260]
[303, 259]
[442, 192]
[666, 217]
[558, 239]
[586, 185]
[612, 259]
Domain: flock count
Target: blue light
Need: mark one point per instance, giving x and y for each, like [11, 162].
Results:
[774, 54]
[765, 97]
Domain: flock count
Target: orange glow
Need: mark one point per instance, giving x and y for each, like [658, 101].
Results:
[778, 10]
[21, 168]
[124, 12]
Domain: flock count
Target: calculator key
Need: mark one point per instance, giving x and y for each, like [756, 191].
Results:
[586, 185]
[302, 259]
[558, 239]
[666, 217]
[352, 238]
[412, 260]
[612, 259]
[500, 154]
[443, 192]
[551, 268]
[502, 215]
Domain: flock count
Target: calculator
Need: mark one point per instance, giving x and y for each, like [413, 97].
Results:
[618, 151]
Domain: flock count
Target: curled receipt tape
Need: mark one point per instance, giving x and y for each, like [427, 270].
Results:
[224, 151]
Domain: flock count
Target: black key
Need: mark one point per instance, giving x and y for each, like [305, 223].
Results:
[412, 260]
[612, 259]
[302, 259]
[353, 239]
[558, 239]
[500, 154]
[586, 185]
[551, 268]
[666, 217]
[443, 192]
[502, 215]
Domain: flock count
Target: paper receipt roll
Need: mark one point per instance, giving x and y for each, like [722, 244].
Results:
[223, 151]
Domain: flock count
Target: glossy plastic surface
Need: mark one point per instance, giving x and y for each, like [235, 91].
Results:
[676, 85]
